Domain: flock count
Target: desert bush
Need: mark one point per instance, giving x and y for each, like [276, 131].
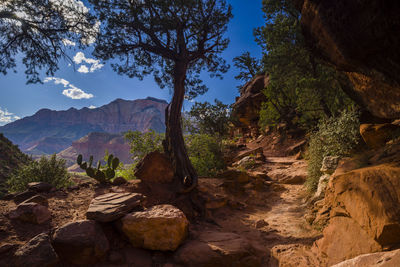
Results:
[50, 170]
[336, 136]
[205, 153]
[143, 143]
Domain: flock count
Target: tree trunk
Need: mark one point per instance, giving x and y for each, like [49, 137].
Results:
[174, 144]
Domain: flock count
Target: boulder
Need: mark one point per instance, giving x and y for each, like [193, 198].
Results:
[260, 223]
[81, 242]
[371, 197]
[344, 239]
[31, 213]
[112, 206]
[162, 227]
[246, 162]
[329, 164]
[39, 187]
[37, 252]
[376, 135]
[218, 249]
[322, 184]
[359, 38]
[253, 152]
[119, 181]
[39, 199]
[235, 175]
[381, 259]
[155, 167]
[21, 197]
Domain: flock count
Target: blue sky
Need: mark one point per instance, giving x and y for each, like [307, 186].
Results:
[103, 85]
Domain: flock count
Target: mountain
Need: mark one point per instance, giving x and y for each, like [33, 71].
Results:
[10, 158]
[49, 131]
[96, 144]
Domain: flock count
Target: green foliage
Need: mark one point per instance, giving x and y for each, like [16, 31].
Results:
[249, 67]
[205, 153]
[301, 89]
[50, 170]
[210, 119]
[143, 143]
[336, 136]
[101, 175]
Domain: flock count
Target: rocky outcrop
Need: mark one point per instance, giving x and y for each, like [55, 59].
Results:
[218, 249]
[95, 144]
[360, 38]
[37, 252]
[376, 135]
[162, 227]
[247, 107]
[381, 259]
[155, 167]
[116, 117]
[364, 209]
[112, 206]
[81, 242]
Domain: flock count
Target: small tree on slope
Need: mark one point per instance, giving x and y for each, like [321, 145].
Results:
[173, 40]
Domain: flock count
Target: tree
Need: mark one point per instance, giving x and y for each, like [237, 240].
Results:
[301, 89]
[173, 40]
[40, 30]
[211, 119]
[249, 67]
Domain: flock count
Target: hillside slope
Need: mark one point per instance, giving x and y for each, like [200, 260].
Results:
[32, 133]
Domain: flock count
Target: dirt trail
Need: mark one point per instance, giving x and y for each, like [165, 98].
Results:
[285, 232]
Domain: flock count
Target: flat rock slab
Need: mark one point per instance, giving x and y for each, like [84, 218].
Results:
[40, 187]
[112, 206]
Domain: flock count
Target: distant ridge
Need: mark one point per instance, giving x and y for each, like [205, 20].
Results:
[49, 131]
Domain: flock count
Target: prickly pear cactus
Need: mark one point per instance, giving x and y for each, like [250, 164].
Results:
[101, 175]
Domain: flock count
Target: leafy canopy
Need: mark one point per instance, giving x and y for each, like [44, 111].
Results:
[301, 90]
[40, 31]
[154, 36]
[249, 67]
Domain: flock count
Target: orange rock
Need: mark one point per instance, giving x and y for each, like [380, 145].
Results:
[155, 167]
[382, 259]
[162, 227]
[376, 135]
[344, 239]
[371, 197]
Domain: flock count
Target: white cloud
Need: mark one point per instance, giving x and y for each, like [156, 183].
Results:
[7, 117]
[80, 58]
[72, 91]
[83, 69]
[67, 42]
[92, 107]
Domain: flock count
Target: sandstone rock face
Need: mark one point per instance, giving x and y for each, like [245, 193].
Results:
[218, 249]
[247, 106]
[112, 206]
[162, 227]
[116, 117]
[376, 135]
[31, 213]
[155, 167]
[37, 252]
[360, 38]
[81, 242]
[365, 212]
[382, 259]
[344, 239]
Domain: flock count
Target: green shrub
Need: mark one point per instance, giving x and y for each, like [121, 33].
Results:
[336, 136]
[143, 143]
[50, 170]
[205, 153]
